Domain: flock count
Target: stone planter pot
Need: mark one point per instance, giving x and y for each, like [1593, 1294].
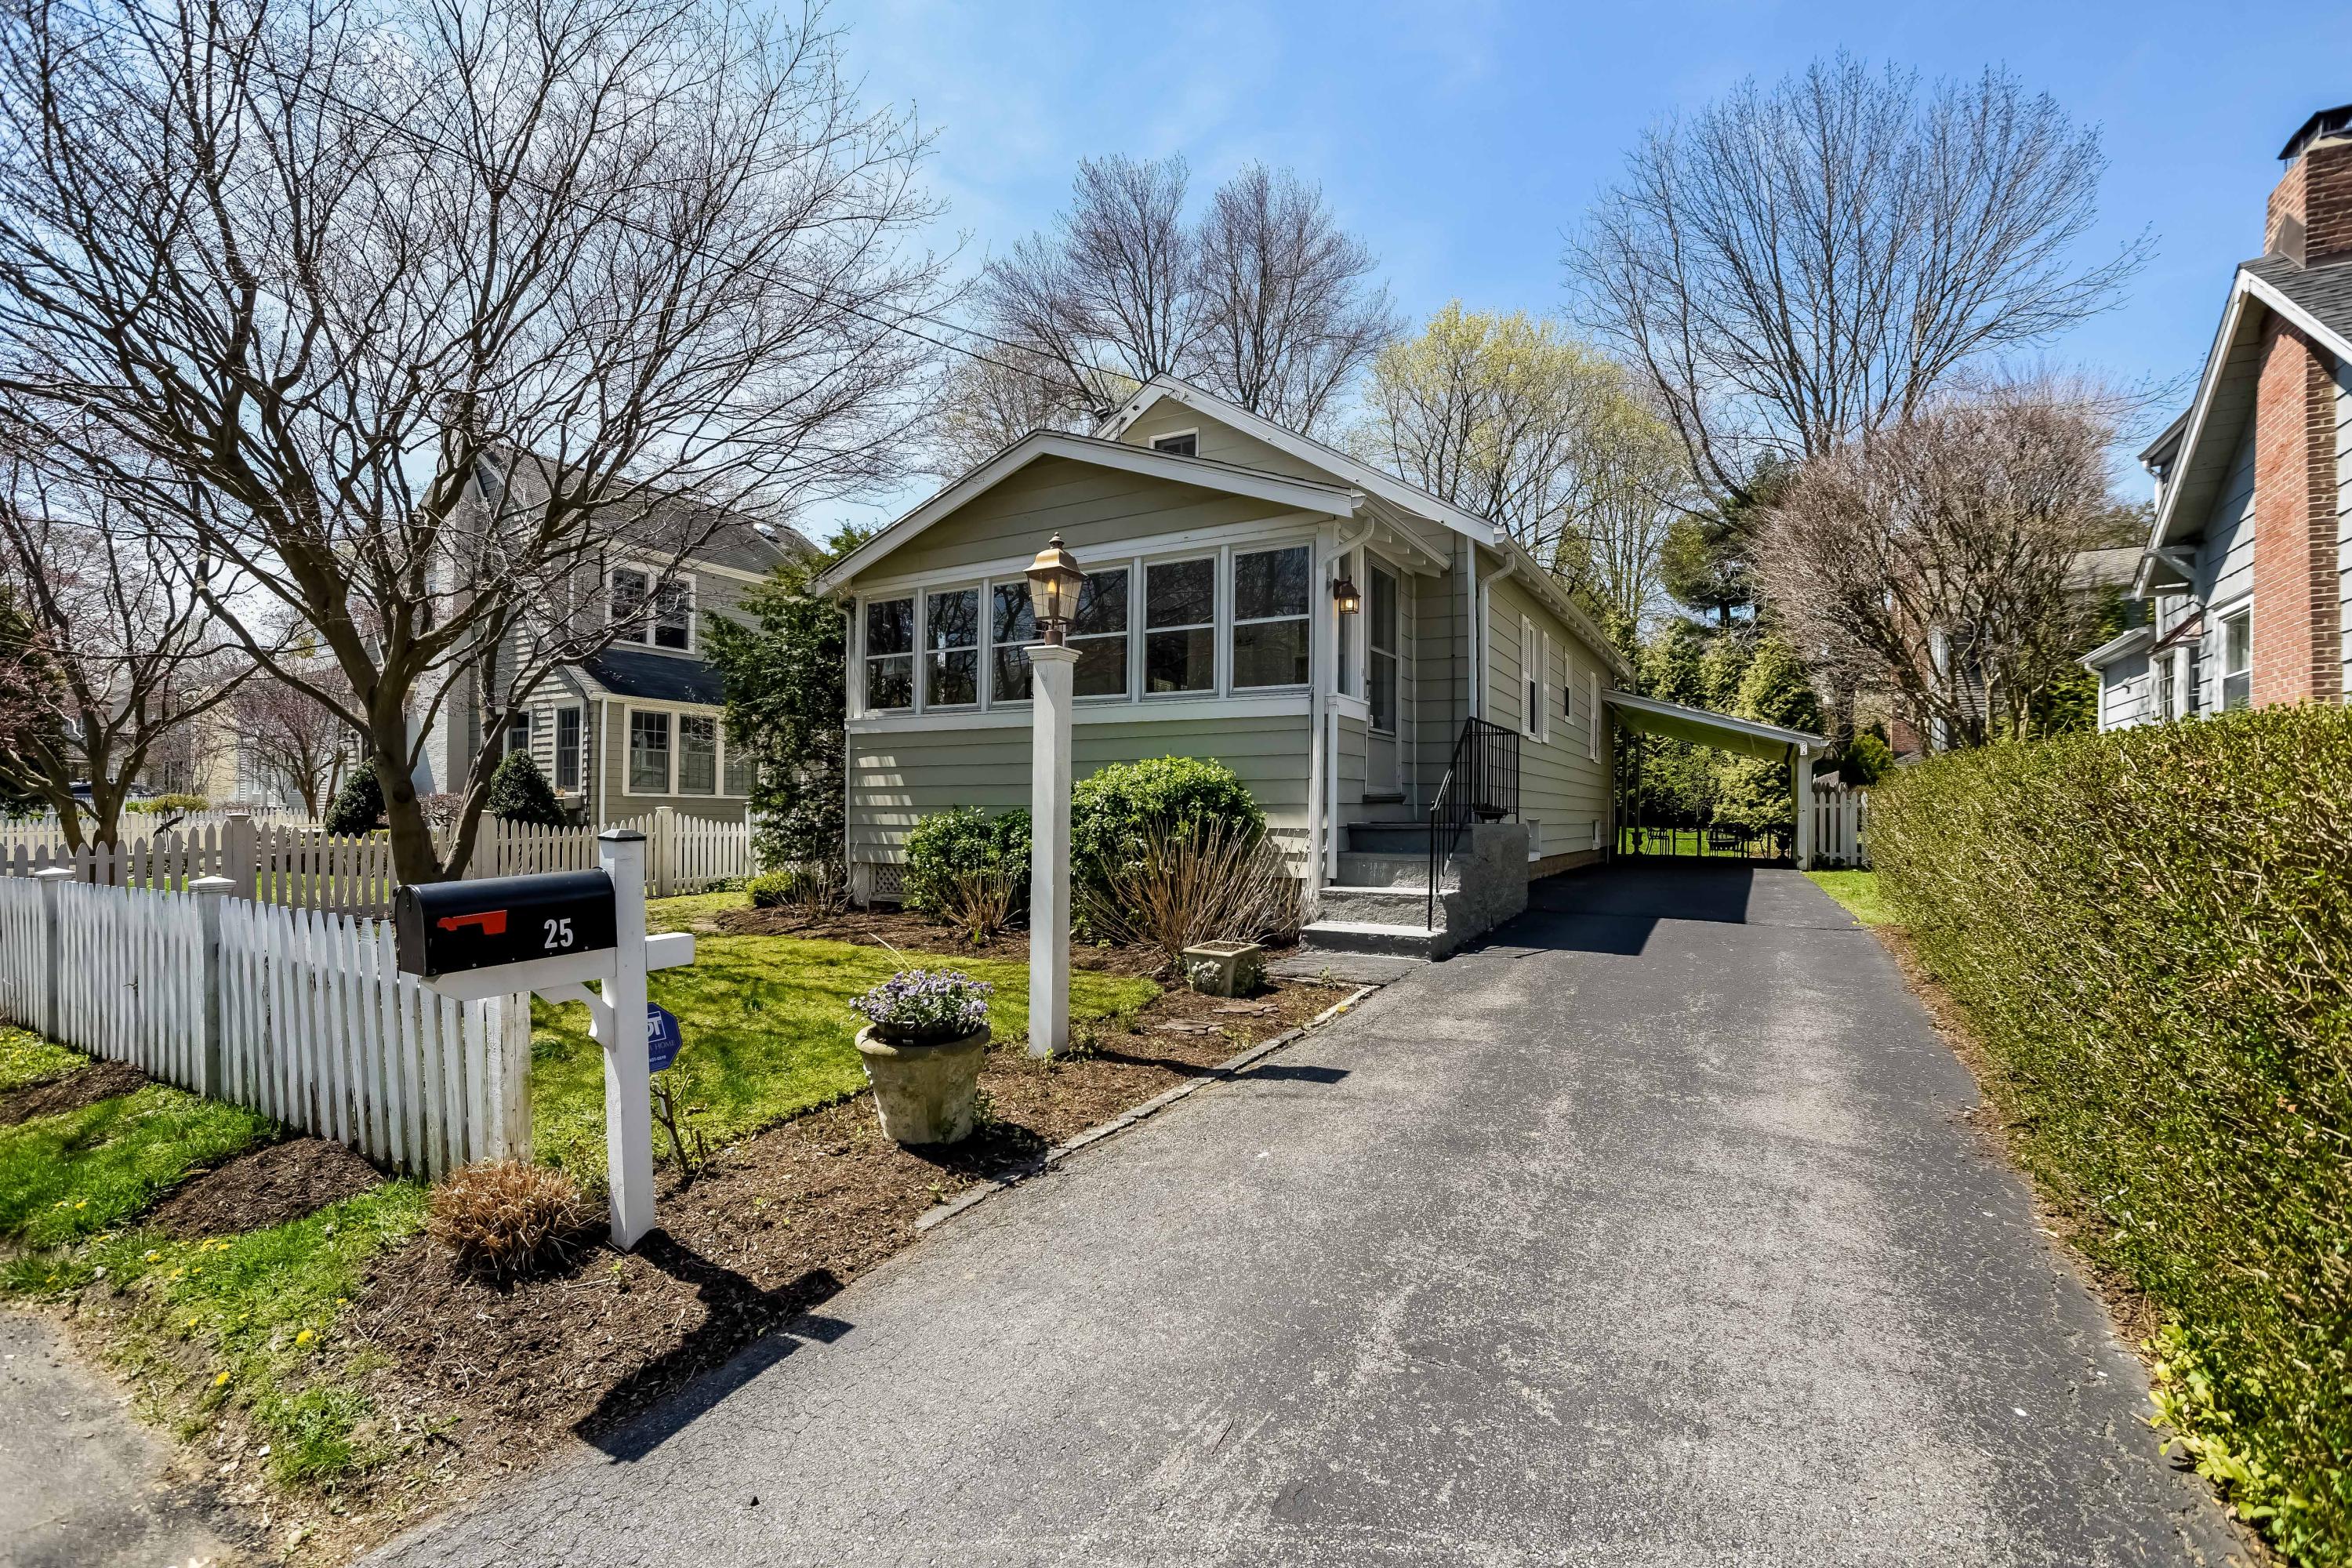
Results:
[924, 1094]
[1224, 968]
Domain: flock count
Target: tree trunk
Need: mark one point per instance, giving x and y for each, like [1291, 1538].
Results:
[415, 859]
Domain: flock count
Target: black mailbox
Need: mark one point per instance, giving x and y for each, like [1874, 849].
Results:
[448, 928]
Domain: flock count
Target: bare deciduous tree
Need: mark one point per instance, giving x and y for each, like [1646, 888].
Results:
[292, 741]
[1265, 300]
[1797, 267]
[1289, 316]
[112, 655]
[441, 304]
[1932, 562]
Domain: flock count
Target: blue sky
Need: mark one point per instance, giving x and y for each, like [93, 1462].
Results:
[1464, 140]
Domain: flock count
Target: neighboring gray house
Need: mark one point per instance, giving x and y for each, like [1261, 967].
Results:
[2248, 566]
[637, 725]
[1214, 541]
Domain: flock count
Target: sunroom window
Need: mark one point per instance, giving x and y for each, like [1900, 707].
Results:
[1098, 633]
[1270, 620]
[1179, 625]
[890, 654]
[952, 636]
[1012, 626]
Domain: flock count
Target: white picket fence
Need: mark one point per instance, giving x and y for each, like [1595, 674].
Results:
[1840, 826]
[35, 834]
[300, 866]
[299, 1013]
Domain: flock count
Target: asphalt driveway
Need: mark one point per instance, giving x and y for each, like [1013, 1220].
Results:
[1648, 1233]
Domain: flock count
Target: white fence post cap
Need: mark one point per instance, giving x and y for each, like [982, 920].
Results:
[620, 836]
[212, 887]
[52, 873]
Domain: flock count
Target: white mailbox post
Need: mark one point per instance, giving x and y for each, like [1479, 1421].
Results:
[555, 935]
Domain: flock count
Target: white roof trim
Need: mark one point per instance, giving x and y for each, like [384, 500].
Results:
[1295, 495]
[2243, 284]
[1306, 448]
[1373, 481]
[2108, 652]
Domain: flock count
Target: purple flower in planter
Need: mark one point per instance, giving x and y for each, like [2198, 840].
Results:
[923, 1004]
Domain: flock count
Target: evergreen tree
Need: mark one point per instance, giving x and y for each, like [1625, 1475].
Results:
[520, 793]
[359, 805]
[1773, 689]
[787, 696]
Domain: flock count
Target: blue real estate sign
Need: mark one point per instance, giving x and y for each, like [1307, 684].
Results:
[661, 1037]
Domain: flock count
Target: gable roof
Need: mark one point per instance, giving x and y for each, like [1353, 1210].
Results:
[1376, 482]
[2199, 447]
[1281, 490]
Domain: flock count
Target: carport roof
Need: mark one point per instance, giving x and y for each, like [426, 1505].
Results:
[1750, 737]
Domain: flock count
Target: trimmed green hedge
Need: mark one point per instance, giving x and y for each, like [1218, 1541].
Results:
[2151, 931]
[1114, 809]
[960, 840]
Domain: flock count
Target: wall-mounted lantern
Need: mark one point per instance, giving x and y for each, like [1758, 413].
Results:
[1344, 594]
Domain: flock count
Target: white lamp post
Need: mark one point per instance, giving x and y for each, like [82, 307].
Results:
[1054, 583]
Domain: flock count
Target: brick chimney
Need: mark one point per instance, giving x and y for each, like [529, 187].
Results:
[2310, 219]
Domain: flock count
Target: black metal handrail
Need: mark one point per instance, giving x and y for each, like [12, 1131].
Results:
[1481, 784]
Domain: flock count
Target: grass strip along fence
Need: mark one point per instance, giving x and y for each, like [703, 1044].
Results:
[2151, 931]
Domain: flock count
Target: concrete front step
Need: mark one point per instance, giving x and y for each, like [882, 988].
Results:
[1373, 936]
[1381, 905]
[1390, 838]
[1359, 869]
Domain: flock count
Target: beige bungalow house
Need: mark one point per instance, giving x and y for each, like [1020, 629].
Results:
[1346, 642]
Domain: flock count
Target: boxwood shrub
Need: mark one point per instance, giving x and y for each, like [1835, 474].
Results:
[948, 844]
[2151, 931]
[1113, 810]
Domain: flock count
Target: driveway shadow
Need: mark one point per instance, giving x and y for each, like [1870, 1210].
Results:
[1614, 908]
[756, 1328]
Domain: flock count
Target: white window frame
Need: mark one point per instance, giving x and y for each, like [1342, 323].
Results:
[676, 577]
[2242, 611]
[914, 654]
[631, 708]
[925, 652]
[629, 751]
[1158, 442]
[1228, 597]
[1592, 716]
[1139, 620]
[1531, 703]
[579, 748]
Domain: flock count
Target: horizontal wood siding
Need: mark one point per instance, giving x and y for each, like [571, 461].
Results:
[1220, 443]
[897, 779]
[1091, 507]
[1563, 789]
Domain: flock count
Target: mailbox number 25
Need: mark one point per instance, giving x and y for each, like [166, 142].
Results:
[559, 934]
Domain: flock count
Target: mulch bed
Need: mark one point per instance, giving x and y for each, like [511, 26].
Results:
[269, 1186]
[770, 1230]
[84, 1086]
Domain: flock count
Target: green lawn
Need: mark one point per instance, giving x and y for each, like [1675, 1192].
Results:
[768, 1034]
[26, 1058]
[66, 1176]
[1858, 891]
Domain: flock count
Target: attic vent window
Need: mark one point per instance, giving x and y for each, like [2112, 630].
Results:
[1184, 444]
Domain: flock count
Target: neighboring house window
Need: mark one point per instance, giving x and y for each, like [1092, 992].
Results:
[2168, 695]
[519, 733]
[952, 633]
[1179, 625]
[1381, 655]
[670, 621]
[1270, 617]
[1531, 703]
[1592, 715]
[567, 748]
[698, 755]
[738, 769]
[890, 654]
[1099, 635]
[648, 754]
[1183, 444]
[2238, 660]
[1012, 626]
